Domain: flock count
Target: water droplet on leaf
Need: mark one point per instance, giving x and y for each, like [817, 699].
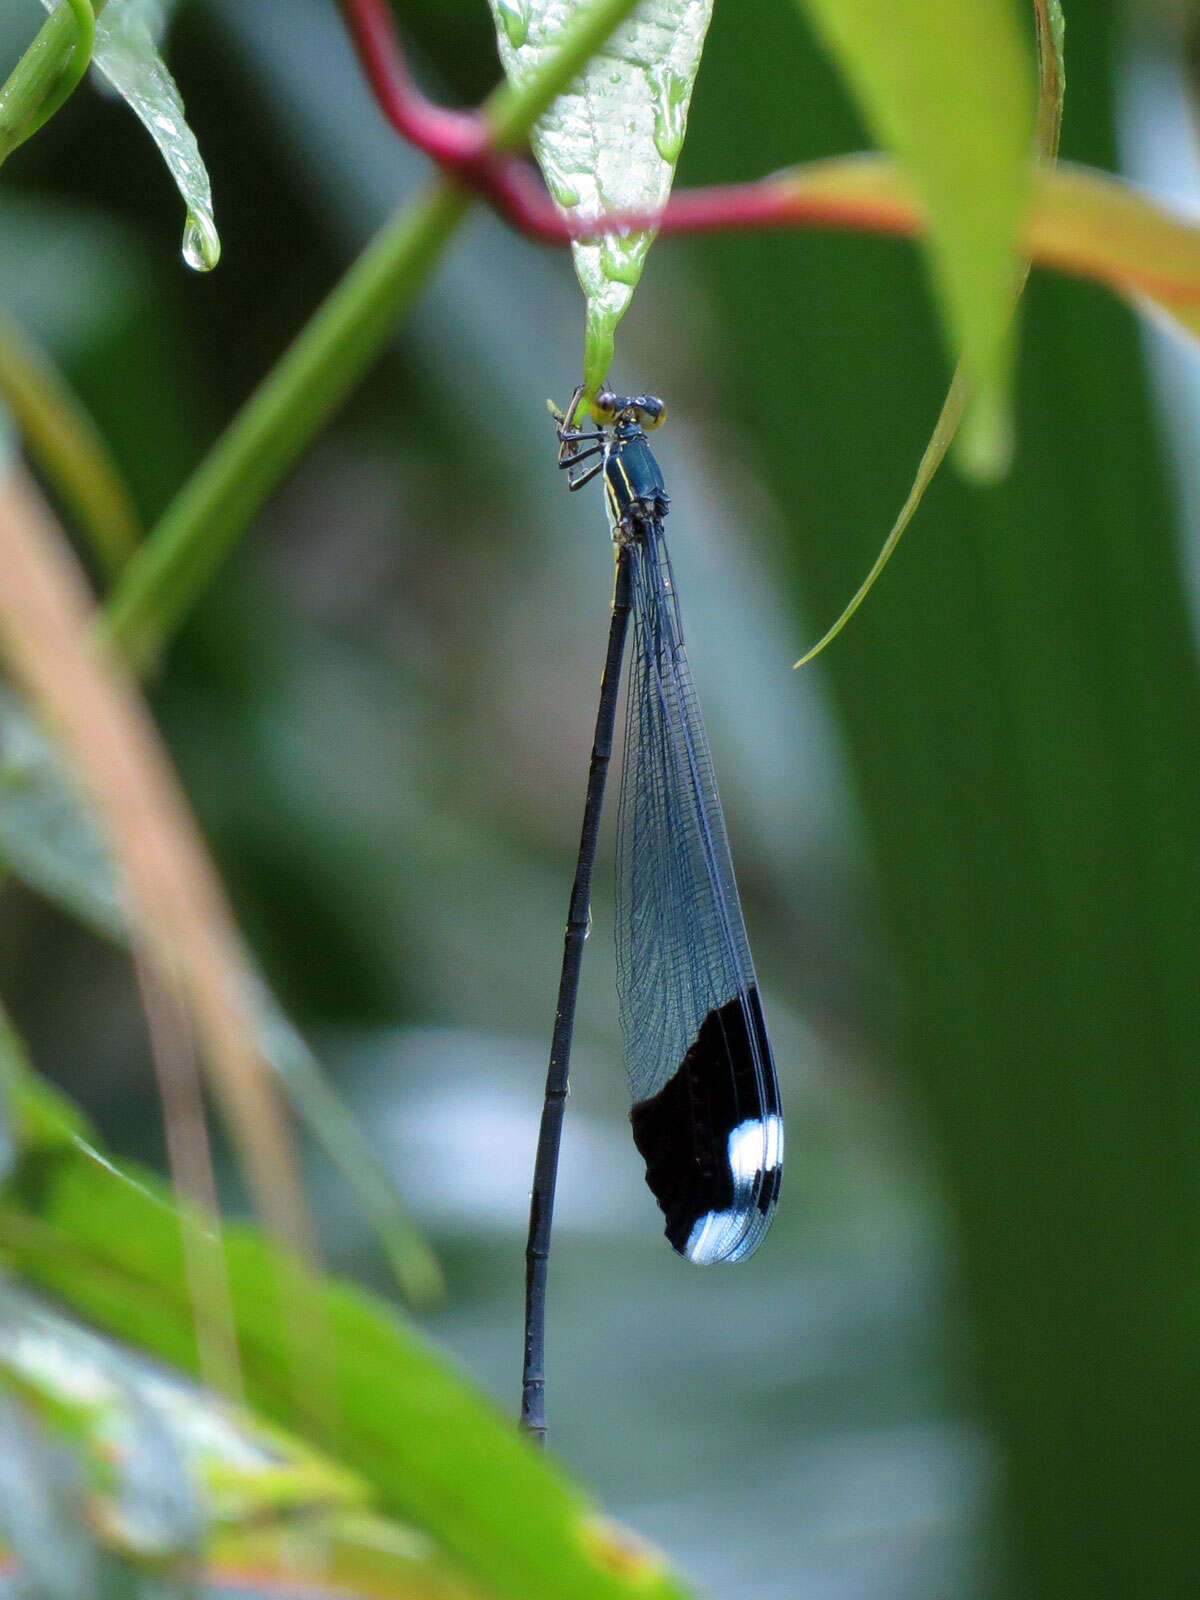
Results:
[560, 185]
[514, 18]
[621, 257]
[670, 97]
[201, 246]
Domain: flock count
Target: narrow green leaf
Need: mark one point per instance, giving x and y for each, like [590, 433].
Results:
[948, 87]
[126, 53]
[39, 1117]
[1051, 89]
[610, 142]
[940, 441]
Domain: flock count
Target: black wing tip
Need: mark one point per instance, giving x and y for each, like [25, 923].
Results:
[712, 1138]
[736, 1232]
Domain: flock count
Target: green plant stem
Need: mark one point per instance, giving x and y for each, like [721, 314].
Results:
[280, 419]
[271, 431]
[48, 72]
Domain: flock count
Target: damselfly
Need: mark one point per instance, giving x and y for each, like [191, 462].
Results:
[706, 1114]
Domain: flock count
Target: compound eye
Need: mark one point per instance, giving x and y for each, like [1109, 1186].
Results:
[653, 411]
[606, 405]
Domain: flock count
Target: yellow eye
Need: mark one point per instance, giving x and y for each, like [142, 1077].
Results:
[652, 411]
[605, 405]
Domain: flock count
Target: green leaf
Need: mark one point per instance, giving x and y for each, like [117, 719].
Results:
[948, 88]
[126, 53]
[1051, 88]
[611, 141]
[36, 1116]
[330, 1363]
[1022, 719]
[115, 1416]
[171, 1477]
[1082, 221]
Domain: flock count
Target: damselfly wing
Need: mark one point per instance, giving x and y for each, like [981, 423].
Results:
[706, 1113]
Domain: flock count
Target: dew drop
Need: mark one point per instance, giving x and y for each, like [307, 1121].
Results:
[201, 246]
[670, 91]
[558, 182]
[621, 257]
[514, 19]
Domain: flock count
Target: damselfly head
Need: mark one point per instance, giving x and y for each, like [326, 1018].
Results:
[652, 412]
[636, 410]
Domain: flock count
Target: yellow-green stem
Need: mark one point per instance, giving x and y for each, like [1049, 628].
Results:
[277, 423]
[47, 72]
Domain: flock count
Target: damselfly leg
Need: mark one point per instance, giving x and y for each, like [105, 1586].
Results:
[570, 437]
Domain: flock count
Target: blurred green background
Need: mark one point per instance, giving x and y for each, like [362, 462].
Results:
[966, 1359]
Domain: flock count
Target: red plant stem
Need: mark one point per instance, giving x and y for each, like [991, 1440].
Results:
[767, 203]
[456, 140]
[452, 138]
[459, 142]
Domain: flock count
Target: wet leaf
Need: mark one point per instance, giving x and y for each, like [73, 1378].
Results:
[126, 53]
[611, 142]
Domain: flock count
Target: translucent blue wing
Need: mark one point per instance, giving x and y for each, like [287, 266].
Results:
[706, 1113]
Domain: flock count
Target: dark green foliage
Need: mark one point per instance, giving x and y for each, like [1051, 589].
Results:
[1020, 704]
